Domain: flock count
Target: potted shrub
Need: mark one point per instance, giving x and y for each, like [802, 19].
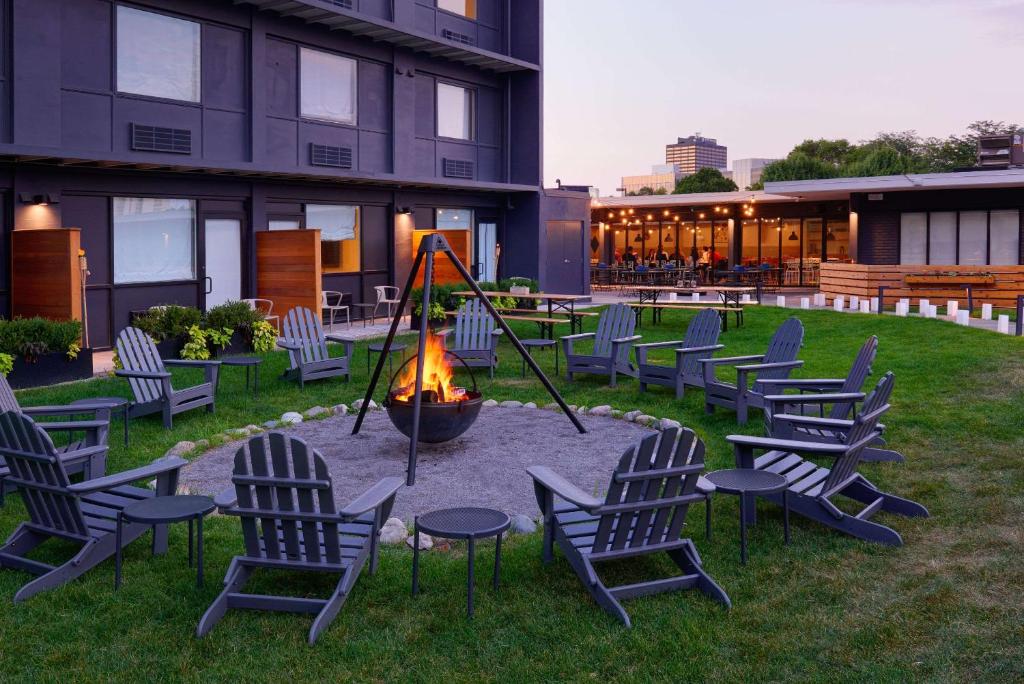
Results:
[169, 327]
[229, 327]
[441, 300]
[44, 352]
[520, 286]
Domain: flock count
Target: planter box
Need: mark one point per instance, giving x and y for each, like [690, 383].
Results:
[238, 345]
[49, 369]
[170, 348]
[922, 279]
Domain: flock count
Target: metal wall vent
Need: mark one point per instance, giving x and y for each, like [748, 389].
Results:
[457, 37]
[345, 4]
[458, 168]
[160, 139]
[329, 155]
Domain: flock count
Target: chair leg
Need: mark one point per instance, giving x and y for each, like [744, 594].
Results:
[326, 616]
[237, 576]
[689, 562]
[168, 416]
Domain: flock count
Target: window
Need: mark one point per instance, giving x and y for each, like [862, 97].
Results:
[283, 224]
[328, 86]
[454, 112]
[157, 55]
[154, 239]
[966, 238]
[339, 236]
[465, 8]
[454, 219]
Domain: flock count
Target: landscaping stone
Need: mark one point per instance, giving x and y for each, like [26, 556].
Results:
[181, 448]
[393, 531]
[616, 414]
[645, 419]
[358, 404]
[667, 423]
[511, 403]
[551, 407]
[316, 412]
[530, 405]
[490, 403]
[602, 410]
[237, 433]
[522, 524]
[426, 541]
[202, 444]
[253, 429]
[291, 418]
[270, 424]
[572, 408]
[340, 410]
[631, 416]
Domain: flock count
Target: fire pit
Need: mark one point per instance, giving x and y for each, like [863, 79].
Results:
[446, 411]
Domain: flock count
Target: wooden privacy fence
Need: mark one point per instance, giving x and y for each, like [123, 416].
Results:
[288, 270]
[996, 285]
[45, 276]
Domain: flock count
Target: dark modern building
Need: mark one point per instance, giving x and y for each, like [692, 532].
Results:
[172, 133]
[696, 152]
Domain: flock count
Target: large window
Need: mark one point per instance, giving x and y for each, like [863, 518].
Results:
[454, 112]
[328, 86]
[966, 238]
[339, 236]
[454, 219]
[157, 55]
[465, 8]
[154, 239]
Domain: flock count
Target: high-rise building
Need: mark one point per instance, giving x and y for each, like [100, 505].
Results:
[695, 153]
[746, 172]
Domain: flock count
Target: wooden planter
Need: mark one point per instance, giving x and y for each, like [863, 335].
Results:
[171, 347]
[923, 279]
[239, 344]
[49, 369]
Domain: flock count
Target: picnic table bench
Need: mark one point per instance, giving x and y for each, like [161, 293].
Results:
[656, 310]
[546, 324]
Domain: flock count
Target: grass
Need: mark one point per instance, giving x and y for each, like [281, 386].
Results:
[945, 606]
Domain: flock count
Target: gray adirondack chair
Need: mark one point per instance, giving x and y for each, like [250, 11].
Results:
[83, 513]
[612, 343]
[308, 355]
[474, 339]
[835, 400]
[87, 455]
[701, 342]
[283, 496]
[151, 382]
[775, 364]
[812, 488]
[642, 514]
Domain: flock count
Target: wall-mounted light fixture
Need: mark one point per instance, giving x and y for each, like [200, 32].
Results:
[39, 200]
[404, 210]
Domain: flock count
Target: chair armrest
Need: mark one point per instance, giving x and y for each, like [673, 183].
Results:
[157, 467]
[771, 444]
[731, 360]
[73, 425]
[578, 336]
[705, 486]
[497, 332]
[809, 383]
[63, 410]
[372, 498]
[753, 368]
[288, 344]
[797, 399]
[339, 339]
[833, 424]
[444, 332]
[225, 499]
[191, 364]
[142, 375]
[552, 481]
[699, 350]
[658, 345]
[627, 340]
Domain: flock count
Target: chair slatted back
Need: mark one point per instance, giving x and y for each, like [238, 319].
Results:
[285, 501]
[8, 402]
[858, 375]
[618, 320]
[37, 471]
[138, 353]
[302, 327]
[703, 331]
[650, 492]
[861, 434]
[473, 326]
[783, 347]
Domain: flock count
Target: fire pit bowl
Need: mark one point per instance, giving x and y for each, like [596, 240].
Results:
[439, 421]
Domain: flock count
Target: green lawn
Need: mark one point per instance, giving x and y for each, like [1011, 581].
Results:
[946, 606]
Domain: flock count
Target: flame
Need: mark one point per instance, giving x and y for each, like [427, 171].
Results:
[437, 375]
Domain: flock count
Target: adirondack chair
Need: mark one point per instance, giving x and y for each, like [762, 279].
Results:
[151, 383]
[775, 364]
[812, 488]
[612, 342]
[839, 396]
[87, 455]
[643, 513]
[308, 356]
[84, 513]
[283, 496]
[701, 342]
[474, 338]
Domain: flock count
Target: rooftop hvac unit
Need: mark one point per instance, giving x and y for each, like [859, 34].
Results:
[1001, 150]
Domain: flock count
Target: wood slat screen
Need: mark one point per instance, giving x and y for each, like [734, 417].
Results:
[288, 269]
[45, 276]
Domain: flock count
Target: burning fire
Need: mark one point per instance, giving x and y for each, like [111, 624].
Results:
[437, 376]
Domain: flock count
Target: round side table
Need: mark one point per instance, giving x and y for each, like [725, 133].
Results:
[460, 523]
[162, 510]
[378, 347]
[246, 362]
[530, 345]
[748, 484]
[112, 403]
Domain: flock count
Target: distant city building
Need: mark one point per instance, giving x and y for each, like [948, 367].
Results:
[662, 177]
[696, 152]
[746, 172]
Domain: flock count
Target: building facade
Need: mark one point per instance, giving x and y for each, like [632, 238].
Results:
[696, 152]
[662, 178]
[746, 172]
[172, 133]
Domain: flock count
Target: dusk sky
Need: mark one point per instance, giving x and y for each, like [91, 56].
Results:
[625, 78]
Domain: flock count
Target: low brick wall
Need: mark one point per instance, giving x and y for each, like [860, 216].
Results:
[863, 280]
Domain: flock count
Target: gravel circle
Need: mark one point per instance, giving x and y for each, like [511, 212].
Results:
[484, 467]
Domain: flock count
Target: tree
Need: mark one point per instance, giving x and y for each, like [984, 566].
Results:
[832, 152]
[705, 180]
[661, 191]
[642, 192]
[797, 166]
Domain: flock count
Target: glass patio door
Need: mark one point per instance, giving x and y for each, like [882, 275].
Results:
[487, 251]
[223, 268]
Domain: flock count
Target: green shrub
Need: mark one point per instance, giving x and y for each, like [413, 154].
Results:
[32, 337]
[234, 315]
[442, 299]
[196, 348]
[166, 322]
[264, 337]
[6, 364]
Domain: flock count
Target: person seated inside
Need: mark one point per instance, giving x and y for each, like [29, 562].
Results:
[630, 259]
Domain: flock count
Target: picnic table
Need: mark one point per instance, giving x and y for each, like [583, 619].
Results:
[546, 325]
[729, 294]
[556, 303]
[657, 309]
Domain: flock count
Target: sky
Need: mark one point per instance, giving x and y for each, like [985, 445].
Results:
[625, 77]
